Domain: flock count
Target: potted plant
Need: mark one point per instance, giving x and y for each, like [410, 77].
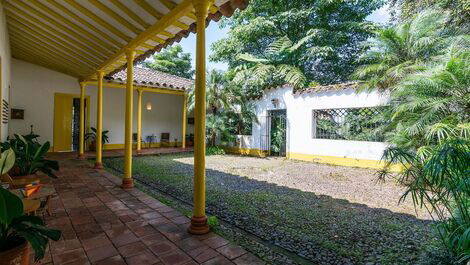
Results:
[17, 229]
[30, 156]
[92, 137]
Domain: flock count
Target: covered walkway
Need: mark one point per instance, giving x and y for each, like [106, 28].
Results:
[104, 224]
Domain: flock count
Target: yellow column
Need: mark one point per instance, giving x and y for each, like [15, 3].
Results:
[183, 140]
[199, 219]
[81, 138]
[99, 121]
[127, 182]
[139, 119]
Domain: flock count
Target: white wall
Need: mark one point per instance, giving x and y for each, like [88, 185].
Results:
[5, 75]
[299, 122]
[33, 89]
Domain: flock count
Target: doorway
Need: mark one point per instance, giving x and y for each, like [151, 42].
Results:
[67, 121]
[274, 133]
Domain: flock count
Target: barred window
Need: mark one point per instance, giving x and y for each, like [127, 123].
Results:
[356, 124]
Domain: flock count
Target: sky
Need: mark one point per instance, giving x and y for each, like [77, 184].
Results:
[214, 33]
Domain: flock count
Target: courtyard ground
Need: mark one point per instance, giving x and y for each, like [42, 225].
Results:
[322, 214]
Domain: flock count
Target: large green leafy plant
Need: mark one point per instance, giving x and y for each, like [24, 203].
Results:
[440, 182]
[15, 227]
[30, 155]
[92, 136]
[403, 49]
[337, 28]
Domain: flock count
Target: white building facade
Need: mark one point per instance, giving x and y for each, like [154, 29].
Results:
[302, 138]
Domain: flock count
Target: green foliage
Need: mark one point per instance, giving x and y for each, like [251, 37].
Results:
[433, 105]
[172, 60]
[30, 155]
[16, 227]
[460, 9]
[317, 39]
[439, 182]
[212, 221]
[278, 135]
[227, 109]
[214, 150]
[92, 136]
[403, 49]
[7, 160]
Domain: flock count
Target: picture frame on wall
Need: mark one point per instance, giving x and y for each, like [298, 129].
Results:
[17, 114]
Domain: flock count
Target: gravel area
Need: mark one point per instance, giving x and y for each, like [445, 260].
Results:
[356, 185]
[324, 214]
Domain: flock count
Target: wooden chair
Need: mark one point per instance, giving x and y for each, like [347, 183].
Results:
[19, 182]
[165, 139]
[134, 138]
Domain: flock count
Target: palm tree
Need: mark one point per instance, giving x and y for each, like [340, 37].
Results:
[432, 105]
[279, 64]
[223, 98]
[403, 49]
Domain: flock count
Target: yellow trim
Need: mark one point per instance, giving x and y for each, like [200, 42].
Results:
[70, 41]
[244, 151]
[128, 117]
[139, 119]
[84, 22]
[54, 43]
[81, 142]
[71, 24]
[167, 20]
[98, 20]
[38, 58]
[115, 16]
[62, 134]
[199, 188]
[183, 140]
[129, 12]
[99, 118]
[340, 161]
[8, 5]
[144, 145]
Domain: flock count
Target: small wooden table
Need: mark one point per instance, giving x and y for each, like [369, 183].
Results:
[44, 193]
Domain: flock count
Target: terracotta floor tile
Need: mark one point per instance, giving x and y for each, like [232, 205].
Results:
[219, 260]
[162, 247]
[132, 249]
[143, 258]
[215, 242]
[231, 251]
[70, 256]
[99, 240]
[115, 260]
[97, 254]
[124, 239]
[175, 257]
[153, 238]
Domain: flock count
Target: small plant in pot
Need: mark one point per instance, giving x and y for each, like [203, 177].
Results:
[30, 156]
[16, 228]
[91, 136]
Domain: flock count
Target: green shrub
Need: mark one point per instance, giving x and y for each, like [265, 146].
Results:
[212, 221]
[439, 182]
[214, 150]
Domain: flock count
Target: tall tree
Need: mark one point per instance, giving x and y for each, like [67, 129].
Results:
[397, 51]
[335, 24]
[459, 9]
[172, 60]
[227, 110]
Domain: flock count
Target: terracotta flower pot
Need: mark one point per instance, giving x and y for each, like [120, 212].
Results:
[92, 146]
[14, 256]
